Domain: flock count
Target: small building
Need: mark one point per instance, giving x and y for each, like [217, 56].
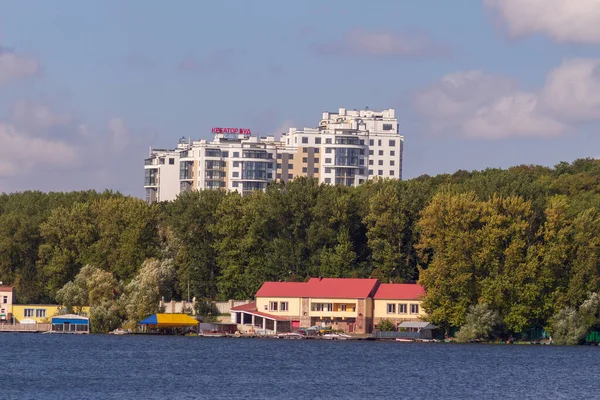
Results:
[70, 323]
[425, 330]
[169, 321]
[398, 302]
[6, 300]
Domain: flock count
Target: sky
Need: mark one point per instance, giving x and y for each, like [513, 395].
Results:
[86, 87]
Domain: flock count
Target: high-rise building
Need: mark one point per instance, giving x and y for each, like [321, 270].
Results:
[347, 148]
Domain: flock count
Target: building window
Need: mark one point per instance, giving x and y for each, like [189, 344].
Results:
[278, 176]
[388, 127]
[316, 170]
[370, 172]
[362, 142]
[316, 150]
[327, 170]
[235, 174]
[328, 150]
[380, 152]
[270, 165]
[236, 164]
[290, 176]
[380, 162]
[391, 172]
[327, 180]
[392, 163]
[380, 172]
[392, 153]
[5, 299]
[371, 142]
[305, 149]
[270, 175]
[225, 154]
[316, 160]
[161, 160]
[328, 161]
[401, 308]
[305, 140]
[361, 171]
[379, 142]
[370, 152]
[318, 140]
[279, 156]
[171, 162]
[391, 308]
[236, 154]
[272, 306]
[234, 184]
[283, 306]
[360, 181]
[28, 312]
[361, 152]
[392, 143]
[328, 141]
[343, 307]
[278, 166]
[40, 313]
[321, 306]
[361, 161]
[304, 159]
[370, 162]
[290, 156]
[414, 308]
[304, 169]
[290, 166]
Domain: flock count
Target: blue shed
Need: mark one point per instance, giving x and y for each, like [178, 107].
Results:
[70, 323]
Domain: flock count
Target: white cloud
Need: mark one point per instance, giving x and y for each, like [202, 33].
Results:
[21, 152]
[572, 90]
[119, 134]
[359, 42]
[36, 115]
[456, 95]
[476, 104]
[518, 114]
[14, 66]
[575, 21]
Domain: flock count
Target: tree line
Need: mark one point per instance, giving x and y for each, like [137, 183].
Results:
[523, 241]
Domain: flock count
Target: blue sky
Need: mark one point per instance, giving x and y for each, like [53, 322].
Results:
[87, 87]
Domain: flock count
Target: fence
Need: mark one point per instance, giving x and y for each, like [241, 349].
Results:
[24, 327]
[396, 335]
[176, 307]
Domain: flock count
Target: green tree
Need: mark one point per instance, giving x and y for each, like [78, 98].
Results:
[480, 323]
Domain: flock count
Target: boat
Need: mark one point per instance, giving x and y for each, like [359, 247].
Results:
[404, 340]
[336, 336]
[212, 334]
[290, 335]
[120, 331]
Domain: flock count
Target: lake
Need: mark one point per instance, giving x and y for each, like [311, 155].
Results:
[38, 366]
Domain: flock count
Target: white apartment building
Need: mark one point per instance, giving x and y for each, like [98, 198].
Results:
[347, 148]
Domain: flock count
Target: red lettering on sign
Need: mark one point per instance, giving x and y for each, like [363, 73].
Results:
[242, 131]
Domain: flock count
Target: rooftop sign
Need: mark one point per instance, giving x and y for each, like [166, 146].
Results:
[241, 131]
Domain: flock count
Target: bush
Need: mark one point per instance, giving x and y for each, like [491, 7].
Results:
[570, 326]
[481, 322]
[206, 310]
[385, 325]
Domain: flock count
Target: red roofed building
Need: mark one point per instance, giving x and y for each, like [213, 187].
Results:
[398, 302]
[342, 303]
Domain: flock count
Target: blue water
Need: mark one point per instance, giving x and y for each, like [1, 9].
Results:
[38, 366]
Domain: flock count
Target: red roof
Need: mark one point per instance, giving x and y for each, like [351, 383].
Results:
[6, 288]
[336, 288]
[245, 307]
[399, 291]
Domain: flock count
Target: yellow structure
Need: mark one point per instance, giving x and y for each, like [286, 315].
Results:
[39, 313]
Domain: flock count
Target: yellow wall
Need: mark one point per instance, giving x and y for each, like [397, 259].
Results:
[351, 304]
[18, 311]
[293, 305]
[380, 309]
